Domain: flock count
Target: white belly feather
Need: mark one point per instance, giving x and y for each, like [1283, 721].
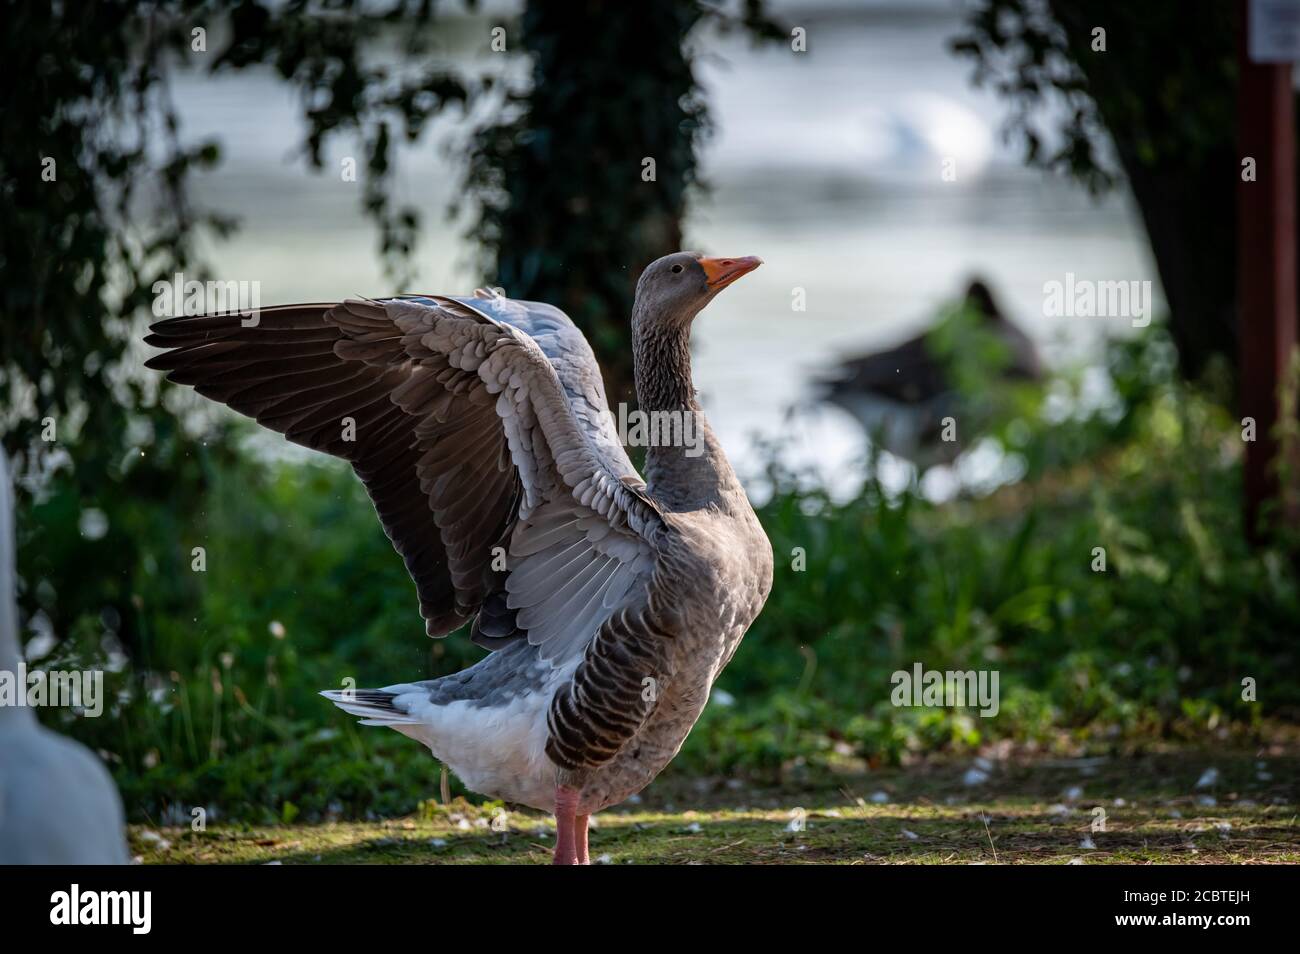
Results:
[496, 750]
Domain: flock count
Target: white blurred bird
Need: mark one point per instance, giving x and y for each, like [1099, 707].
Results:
[58, 804]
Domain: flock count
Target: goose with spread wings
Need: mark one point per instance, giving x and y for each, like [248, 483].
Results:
[480, 428]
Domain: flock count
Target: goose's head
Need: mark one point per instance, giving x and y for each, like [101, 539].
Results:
[673, 289]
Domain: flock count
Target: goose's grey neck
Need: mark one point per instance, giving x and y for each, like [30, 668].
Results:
[689, 472]
[661, 359]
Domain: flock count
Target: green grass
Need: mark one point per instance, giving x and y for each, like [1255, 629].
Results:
[1028, 812]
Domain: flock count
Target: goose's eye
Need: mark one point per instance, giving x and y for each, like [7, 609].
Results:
[677, 268]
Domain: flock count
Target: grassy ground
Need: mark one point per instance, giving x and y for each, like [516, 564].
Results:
[1189, 808]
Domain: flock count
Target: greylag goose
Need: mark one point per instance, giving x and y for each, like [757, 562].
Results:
[480, 428]
[901, 395]
[58, 804]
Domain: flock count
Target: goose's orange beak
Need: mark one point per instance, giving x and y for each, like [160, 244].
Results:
[721, 272]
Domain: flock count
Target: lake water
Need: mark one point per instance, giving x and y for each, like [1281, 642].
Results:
[827, 164]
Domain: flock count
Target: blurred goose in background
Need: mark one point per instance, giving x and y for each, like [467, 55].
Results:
[58, 804]
[901, 395]
[482, 433]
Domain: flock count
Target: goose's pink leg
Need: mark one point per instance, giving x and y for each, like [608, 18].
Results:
[580, 839]
[566, 810]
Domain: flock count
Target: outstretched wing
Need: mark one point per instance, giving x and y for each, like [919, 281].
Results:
[481, 431]
[584, 537]
[453, 412]
[326, 377]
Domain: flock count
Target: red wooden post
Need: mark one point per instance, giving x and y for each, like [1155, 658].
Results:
[1266, 262]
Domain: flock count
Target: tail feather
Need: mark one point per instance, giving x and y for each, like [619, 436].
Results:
[372, 706]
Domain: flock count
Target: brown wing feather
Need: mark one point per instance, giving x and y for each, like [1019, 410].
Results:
[428, 448]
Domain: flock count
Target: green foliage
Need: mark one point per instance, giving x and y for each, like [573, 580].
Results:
[88, 143]
[1157, 644]
[1156, 107]
[1161, 89]
[219, 703]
